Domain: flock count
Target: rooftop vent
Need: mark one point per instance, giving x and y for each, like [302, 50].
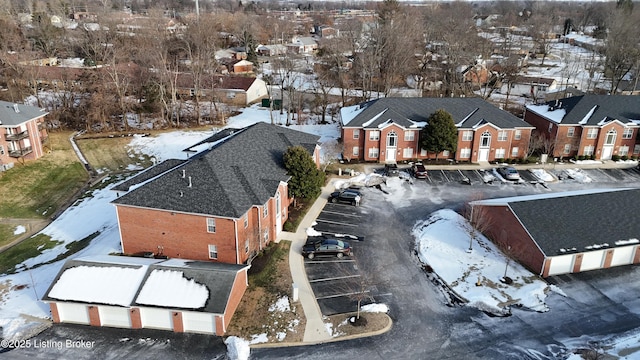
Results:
[189, 181]
[15, 108]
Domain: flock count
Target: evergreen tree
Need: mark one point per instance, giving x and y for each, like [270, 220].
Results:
[306, 179]
[440, 134]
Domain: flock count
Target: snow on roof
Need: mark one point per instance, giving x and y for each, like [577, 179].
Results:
[588, 115]
[367, 123]
[349, 113]
[99, 284]
[544, 110]
[171, 289]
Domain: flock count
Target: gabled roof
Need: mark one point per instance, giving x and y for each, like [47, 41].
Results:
[236, 173]
[12, 114]
[130, 281]
[591, 110]
[414, 112]
[578, 221]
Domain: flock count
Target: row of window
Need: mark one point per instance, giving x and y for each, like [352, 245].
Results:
[375, 135]
[590, 149]
[592, 133]
[213, 249]
[465, 153]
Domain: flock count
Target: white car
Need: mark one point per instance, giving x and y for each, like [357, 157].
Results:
[509, 173]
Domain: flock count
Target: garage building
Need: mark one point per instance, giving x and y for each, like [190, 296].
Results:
[566, 232]
[129, 292]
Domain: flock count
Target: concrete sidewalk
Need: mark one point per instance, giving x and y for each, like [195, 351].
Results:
[315, 330]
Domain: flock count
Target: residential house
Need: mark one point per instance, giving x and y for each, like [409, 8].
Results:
[563, 233]
[534, 87]
[229, 89]
[303, 45]
[271, 50]
[243, 67]
[388, 130]
[598, 125]
[133, 293]
[223, 204]
[23, 131]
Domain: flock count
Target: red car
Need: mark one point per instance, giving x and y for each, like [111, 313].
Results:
[418, 171]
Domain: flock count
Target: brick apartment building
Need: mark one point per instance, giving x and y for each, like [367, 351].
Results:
[388, 130]
[22, 133]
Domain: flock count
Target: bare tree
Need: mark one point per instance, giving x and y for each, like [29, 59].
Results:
[621, 53]
[478, 219]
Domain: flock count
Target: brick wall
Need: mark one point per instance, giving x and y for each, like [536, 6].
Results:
[54, 312]
[94, 315]
[348, 143]
[237, 291]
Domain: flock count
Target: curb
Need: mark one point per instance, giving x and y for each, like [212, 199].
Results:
[333, 339]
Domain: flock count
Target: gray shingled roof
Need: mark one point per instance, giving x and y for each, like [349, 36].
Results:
[610, 107]
[406, 111]
[148, 174]
[228, 179]
[579, 221]
[10, 118]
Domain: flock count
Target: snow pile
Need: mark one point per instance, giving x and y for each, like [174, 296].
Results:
[442, 242]
[237, 348]
[372, 179]
[542, 175]
[375, 308]
[313, 232]
[282, 305]
[586, 162]
[259, 338]
[577, 175]
[19, 230]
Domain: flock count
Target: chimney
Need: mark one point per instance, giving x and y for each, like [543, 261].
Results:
[189, 181]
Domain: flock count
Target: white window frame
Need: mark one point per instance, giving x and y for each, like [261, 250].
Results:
[502, 135]
[213, 251]
[467, 135]
[589, 150]
[446, 153]
[355, 151]
[636, 149]
[246, 246]
[374, 152]
[592, 133]
[515, 152]
[246, 220]
[407, 153]
[517, 135]
[409, 135]
[356, 133]
[623, 150]
[423, 152]
[501, 153]
[627, 133]
[465, 153]
[374, 135]
[571, 131]
[211, 225]
[567, 149]
[1, 150]
[265, 209]
[265, 236]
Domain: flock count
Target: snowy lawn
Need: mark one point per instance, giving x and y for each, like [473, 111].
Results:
[442, 242]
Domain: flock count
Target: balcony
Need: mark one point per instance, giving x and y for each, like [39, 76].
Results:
[18, 136]
[20, 152]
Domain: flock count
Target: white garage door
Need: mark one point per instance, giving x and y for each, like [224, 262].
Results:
[73, 313]
[623, 256]
[198, 322]
[562, 264]
[156, 318]
[114, 316]
[592, 260]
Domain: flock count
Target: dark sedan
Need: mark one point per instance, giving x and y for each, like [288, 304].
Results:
[348, 196]
[330, 247]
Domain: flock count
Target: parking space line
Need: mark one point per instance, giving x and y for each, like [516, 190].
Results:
[335, 222]
[338, 295]
[445, 176]
[335, 278]
[339, 213]
[328, 261]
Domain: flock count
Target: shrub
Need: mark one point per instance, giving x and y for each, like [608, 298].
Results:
[592, 157]
[580, 157]
[624, 158]
[615, 157]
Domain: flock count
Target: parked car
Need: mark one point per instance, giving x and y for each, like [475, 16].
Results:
[391, 170]
[418, 171]
[329, 247]
[509, 173]
[349, 196]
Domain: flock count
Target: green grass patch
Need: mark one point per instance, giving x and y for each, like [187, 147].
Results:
[37, 189]
[6, 234]
[27, 249]
[263, 269]
[72, 248]
[111, 154]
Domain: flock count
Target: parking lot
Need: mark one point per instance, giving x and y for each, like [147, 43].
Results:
[337, 282]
